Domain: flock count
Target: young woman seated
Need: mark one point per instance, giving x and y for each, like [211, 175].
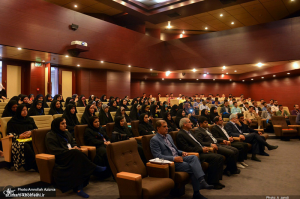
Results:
[55, 108]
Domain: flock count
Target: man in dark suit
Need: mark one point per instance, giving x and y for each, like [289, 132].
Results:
[218, 131]
[204, 136]
[163, 147]
[236, 129]
[225, 110]
[187, 142]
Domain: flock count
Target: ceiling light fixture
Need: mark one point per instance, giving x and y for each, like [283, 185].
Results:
[19, 48]
[259, 64]
[75, 6]
[221, 15]
[150, 69]
[129, 66]
[102, 62]
[232, 22]
[168, 73]
[274, 75]
[194, 70]
[230, 80]
[169, 25]
[206, 28]
[235, 71]
[251, 79]
[179, 79]
[163, 78]
[197, 79]
[213, 79]
[67, 56]
[78, 65]
[295, 65]
[262, 77]
[243, 80]
[288, 73]
[224, 67]
[183, 32]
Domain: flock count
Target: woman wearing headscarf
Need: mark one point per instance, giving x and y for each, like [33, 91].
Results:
[40, 97]
[71, 118]
[75, 97]
[31, 97]
[26, 101]
[55, 108]
[187, 108]
[81, 101]
[122, 129]
[57, 97]
[68, 101]
[123, 103]
[145, 127]
[61, 98]
[121, 112]
[165, 109]
[113, 106]
[88, 112]
[94, 105]
[36, 108]
[118, 101]
[110, 100]
[171, 124]
[167, 103]
[205, 113]
[135, 112]
[193, 119]
[17, 99]
[72, 168]
[48, 98]
[213, 113]
[99, 105]
[134, 101]
[96, 136]
[104, 115]
[154, 111]
[180, 106]
[145, 109]
[103, 98]
[160, 104]
[179, 115]
[20, 126]
[10, 109]
[174, 110]
[92, 98]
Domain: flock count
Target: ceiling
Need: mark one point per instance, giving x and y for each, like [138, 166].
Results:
[233, 16]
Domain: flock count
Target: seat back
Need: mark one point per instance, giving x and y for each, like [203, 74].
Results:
[112, 114]
[285, 108]
[174, 117]
[2, 105]
[63, 104]
[174, 134]
[1, 112]
[79, 134]
[210, 126]
[146, 146]
[4, 121]
[38, 140]
[219, 109]
[43, 121]
[135, 128]
[279, 120]
[79, 116]
[57, 115]
[124, 156]
[109, 129]
[80, 109]
[97, 114]
[105, 103]
[127, 113]
[48, 103]
[154, 120]
[293, 119]
[46, 110]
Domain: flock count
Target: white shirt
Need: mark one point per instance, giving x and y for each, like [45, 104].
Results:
[203, 107]
[274, 108]
[224, 131]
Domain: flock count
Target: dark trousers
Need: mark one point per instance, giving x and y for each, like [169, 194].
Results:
[215, 169]
[231, 155]
[257, 141]
[243, 150]
[29, 157]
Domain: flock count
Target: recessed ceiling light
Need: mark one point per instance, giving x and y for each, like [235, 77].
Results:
[181, 35]
[183, 32]
[206, 28]
[222, 75]
[207, 73]
[221, 15]
[243, 80]
[43, 60]
[230, 80]
[251, 79]
[197, 79]
[274, 75]
[150, 69]
[129, 66]
[169, 25]
[67, 56]
[288, 73]
[194, 70]
[204, 75]
[262, 77]
[78, 65]
[75, 6]
[232, 22]
[295, 65]
[214, 79]
[235, 71]
[224, 67]
[19, 48]
[226, 73]
[102, 62]
[168, 73]
[123, 3]
[179, 79]
[163, 78]
[259, 64]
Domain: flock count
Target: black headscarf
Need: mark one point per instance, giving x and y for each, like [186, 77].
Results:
[145, 128]
[144, 111]
[71, 119]
[153, 111]
[7, 110]
[86, 115]
[110, 99]
[90, 122]
[18, 124]
[44, 104]
[54, 110]
[55, 126]
[116, 99]
[16, 98]
[68, 101]
[178, 117]
[34, 110]
[80, 103]
[102, 98]
[134, 113]
[55, 97]
[111, 107]
[90, 98]
[212, 115]
[173, 110]
[171, 123]
[125, 106]
[133, 101]
[22, 99]
[121, 129]
[119, 113]
[46, 98]
[29, 96]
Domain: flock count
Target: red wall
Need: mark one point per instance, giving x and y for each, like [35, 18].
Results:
[37, 79]
[285, 90]
[187, 88]
[118, 83]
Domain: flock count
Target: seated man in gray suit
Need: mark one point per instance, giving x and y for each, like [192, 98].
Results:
[219, 132]
[204, 136]
[187, 142]
[163, 147]
[235, 129]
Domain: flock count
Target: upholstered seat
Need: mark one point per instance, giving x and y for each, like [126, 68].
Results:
[79, 137]
[282, 129]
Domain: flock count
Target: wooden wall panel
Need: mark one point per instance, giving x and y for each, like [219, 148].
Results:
[118, 83]
[37, 79]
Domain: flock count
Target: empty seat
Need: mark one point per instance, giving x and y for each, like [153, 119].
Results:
[282, 129]
[43, 121]
[46, 111]
[79, 116]
[113, 115]
[2, 105]
[80, 109]
[57, 115]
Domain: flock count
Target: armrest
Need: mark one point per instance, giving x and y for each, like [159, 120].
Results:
[91, 151]
[7, 137]
[158, 170]
[129, 184]
[193, 153]
[229, 143]
[294, 126]
[138, 138]
[7, 147]
[259, 130]
[277, 126]
[211, 149]
[84, 150]
[236, 139]
[45, 163]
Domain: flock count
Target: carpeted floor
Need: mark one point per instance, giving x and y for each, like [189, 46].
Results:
[276, 175]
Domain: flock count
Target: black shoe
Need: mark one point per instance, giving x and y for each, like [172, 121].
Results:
[238, 171]
[198, 196]
[264, 154]
[204, 185]
[271, 147]
[221, 184]
[255, 159]
[218, 186]
[226, 172]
